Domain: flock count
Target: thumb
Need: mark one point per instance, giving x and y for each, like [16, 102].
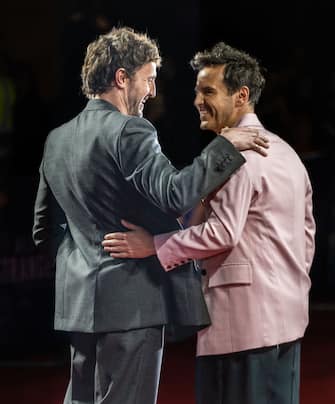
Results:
[129, 225]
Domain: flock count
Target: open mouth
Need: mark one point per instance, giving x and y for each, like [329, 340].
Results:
[204, 113]
[142, 103]
[203, 109]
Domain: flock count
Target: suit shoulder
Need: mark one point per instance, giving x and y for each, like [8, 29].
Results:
[59, 131]
[121, 121]
[139, 122]
[54, 133]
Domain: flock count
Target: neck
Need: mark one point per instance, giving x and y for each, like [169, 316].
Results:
[115, 97]
[236, 119]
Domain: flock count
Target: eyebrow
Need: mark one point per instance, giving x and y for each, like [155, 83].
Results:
[206, 88]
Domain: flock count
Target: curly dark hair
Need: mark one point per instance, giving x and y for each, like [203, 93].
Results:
[240, 69]
[122, 47]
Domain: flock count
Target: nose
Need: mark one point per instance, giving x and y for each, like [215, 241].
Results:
[152, 92]
[198, 99]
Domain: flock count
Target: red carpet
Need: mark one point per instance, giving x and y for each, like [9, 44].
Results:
[318, 359]
[43, 382]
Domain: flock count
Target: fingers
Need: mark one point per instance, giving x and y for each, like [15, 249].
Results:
[259, 150]
[117, 249]
[255, 132]
[262, 141]
[116, 244]
[115, 236]
[113, 249]
[113, 241]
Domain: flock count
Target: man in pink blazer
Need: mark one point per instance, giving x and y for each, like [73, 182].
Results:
[254, 245]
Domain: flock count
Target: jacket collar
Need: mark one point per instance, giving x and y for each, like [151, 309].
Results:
[98, 104]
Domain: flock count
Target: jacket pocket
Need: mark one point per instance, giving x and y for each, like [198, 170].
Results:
[231, 274]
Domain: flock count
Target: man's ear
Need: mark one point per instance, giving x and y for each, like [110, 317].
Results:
[242, 96]
[121, 77]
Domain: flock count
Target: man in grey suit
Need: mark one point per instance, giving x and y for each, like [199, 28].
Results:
[104, 165]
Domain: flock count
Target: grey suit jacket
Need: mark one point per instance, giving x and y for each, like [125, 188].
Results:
[96, 169]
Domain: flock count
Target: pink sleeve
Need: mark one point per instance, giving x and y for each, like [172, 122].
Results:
[220, 233]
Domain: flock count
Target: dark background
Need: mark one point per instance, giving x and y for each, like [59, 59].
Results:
[42, 44]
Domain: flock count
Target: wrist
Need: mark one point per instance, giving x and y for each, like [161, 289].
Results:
[228, 135]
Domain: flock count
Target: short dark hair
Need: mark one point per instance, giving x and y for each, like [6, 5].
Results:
[122, 47]
[240, 69]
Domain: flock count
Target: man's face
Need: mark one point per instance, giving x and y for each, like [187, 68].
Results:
[142, 86]
[215, 106]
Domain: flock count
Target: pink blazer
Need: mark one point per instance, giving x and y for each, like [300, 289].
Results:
[256, 249]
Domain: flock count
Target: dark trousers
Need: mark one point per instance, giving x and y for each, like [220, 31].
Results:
[115, 368]
[259, 376]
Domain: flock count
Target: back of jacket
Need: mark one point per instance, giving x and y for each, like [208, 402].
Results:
[97, 169]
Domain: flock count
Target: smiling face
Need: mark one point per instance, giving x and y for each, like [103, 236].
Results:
[141, 87]
[216, 107]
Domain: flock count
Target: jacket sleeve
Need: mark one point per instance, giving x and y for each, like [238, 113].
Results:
[142, 163]
[220, 233]
[49, 219]
[309, 226]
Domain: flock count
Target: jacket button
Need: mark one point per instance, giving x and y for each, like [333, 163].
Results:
[220, 166]
[203, 272]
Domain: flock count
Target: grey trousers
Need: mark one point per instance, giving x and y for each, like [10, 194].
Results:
[115, 368]
[259, 376]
